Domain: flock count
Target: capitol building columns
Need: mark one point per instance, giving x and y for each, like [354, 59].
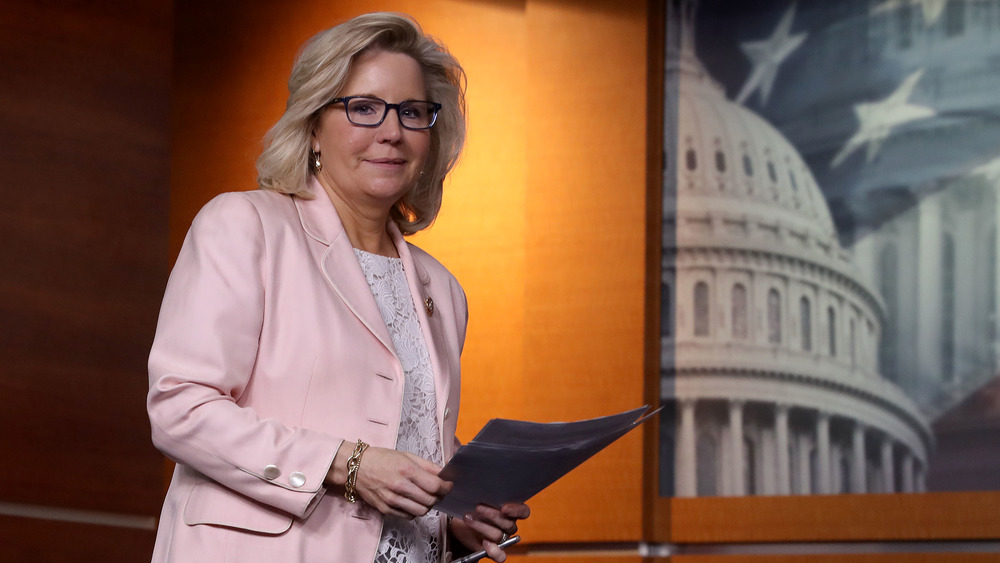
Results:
[888, 466]
[736, 447]
[824, 484]
[803, 469]
[738, 467]
[784, 481]
[733, 446]
[908, 474]
[859, 470]
[687, 476]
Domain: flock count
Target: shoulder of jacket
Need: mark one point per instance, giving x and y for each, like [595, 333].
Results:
[262, 199]
[430, 263]
[261, 203]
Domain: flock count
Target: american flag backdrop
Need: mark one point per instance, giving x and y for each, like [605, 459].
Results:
[894, 105]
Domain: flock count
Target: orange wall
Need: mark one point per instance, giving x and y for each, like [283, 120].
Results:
[586, 249]
[543, 220]
[544, 225]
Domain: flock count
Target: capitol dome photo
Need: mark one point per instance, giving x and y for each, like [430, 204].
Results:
[769, 337]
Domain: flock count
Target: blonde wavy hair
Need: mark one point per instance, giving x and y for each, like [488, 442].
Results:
[320, 72]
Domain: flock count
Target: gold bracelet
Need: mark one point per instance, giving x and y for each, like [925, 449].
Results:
[353, 464]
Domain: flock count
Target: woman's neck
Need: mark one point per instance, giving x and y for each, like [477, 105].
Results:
[365, 225]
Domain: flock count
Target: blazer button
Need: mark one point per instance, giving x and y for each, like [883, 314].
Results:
[447, 412]
[271, 472]
[297, 479]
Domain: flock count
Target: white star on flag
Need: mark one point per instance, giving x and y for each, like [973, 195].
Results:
[766, 55]
[877, 119]
[932, 8]
[990, 171]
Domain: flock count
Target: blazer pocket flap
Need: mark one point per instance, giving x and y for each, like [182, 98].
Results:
[213, 504]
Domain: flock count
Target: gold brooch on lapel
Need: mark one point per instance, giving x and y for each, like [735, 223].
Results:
[429, 305]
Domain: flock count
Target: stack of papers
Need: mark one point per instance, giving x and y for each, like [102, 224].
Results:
[512, 460]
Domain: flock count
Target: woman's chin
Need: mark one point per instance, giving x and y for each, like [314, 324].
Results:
[389, 191]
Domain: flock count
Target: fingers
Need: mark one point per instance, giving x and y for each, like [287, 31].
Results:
[428, 465]
[494, 552]
[400, 484]
[395, 505]
[485, 527]
[425, 475]
[494, 524]
[516, 510]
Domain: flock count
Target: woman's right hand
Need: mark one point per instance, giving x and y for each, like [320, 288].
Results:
[395, 483]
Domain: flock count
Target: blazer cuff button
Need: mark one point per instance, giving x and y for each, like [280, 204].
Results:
[297, 479]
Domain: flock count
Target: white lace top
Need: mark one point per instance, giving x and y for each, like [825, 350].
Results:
[417, 540]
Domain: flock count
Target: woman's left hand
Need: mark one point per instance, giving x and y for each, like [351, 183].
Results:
[486, 527]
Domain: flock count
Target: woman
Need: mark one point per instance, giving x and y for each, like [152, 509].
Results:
[305, 370]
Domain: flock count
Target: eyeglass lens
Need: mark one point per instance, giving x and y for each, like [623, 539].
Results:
[371, 111]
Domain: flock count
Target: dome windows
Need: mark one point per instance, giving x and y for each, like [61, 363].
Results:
[773, 317]
[691, 159]
[701, 309]
[852, 343]
[740, 331]
[720, 163]
[722, 150]
[831, 330]
[795, 188]
[805, 323]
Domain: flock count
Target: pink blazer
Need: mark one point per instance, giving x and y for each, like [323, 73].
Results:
[269, 352]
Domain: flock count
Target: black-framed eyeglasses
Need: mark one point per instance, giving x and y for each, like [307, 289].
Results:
[366, 111]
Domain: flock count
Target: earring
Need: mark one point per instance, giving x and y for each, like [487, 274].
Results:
[316, 164]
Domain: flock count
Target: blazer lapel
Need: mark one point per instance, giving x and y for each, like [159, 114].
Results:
[338, 262]
[420, 288]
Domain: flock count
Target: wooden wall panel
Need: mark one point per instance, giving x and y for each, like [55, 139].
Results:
[83, 149]
[585, 245]
[44, 541]
[926, 516]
